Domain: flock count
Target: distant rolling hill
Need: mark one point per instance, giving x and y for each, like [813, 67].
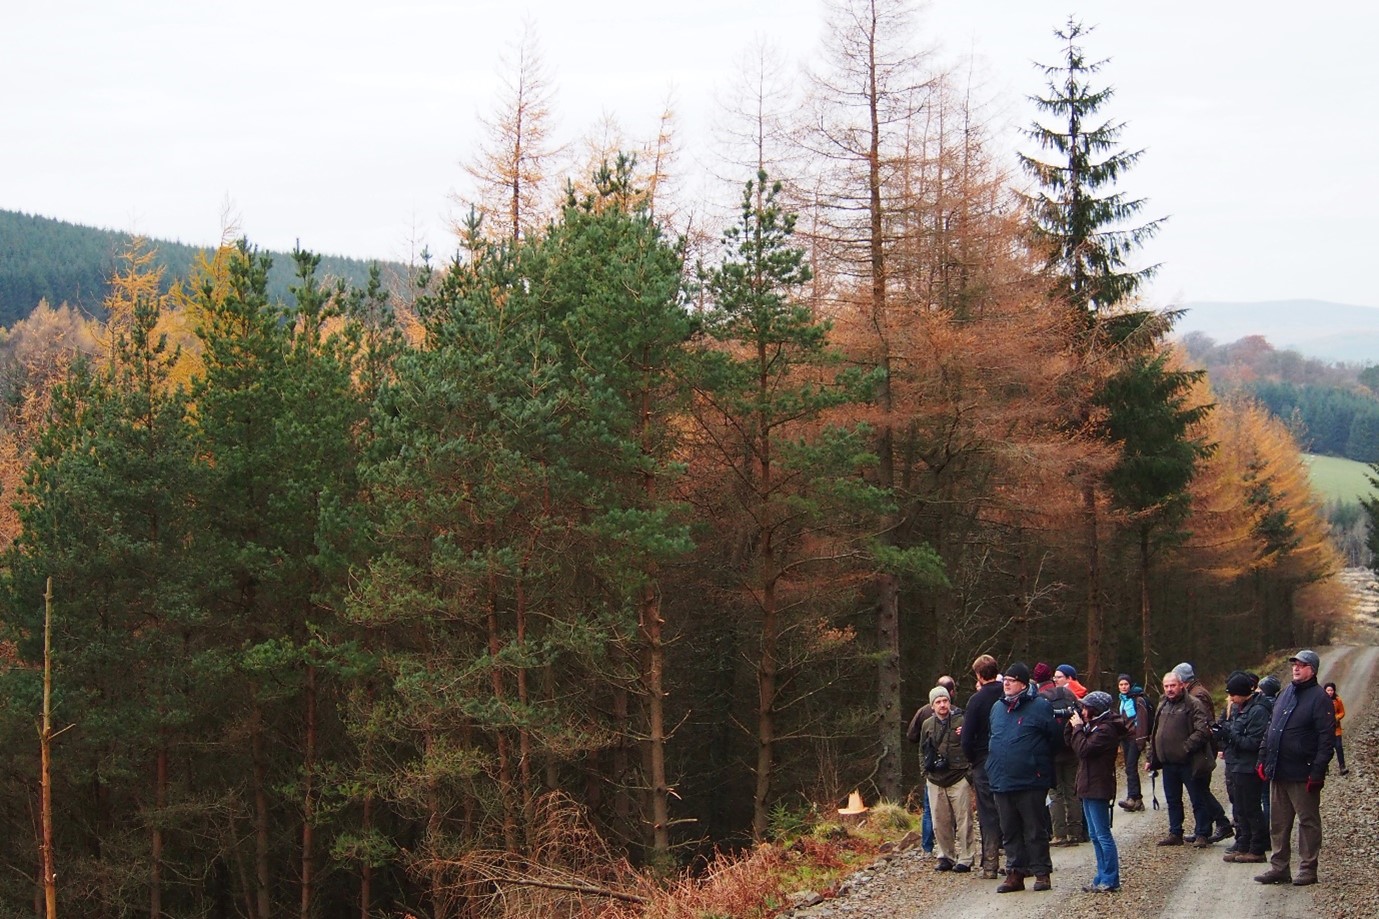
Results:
[60, 262]
[1315, 328]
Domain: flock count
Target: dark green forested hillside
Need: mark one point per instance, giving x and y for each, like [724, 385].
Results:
[46, 259]
[1332, 408]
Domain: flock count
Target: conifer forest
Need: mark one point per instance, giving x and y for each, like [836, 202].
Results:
[622, 532]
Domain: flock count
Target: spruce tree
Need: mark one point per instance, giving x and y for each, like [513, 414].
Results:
[1082, 222]
[1087, 231]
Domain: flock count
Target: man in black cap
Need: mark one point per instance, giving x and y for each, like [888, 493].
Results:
[1019, 764]
[1293, 757]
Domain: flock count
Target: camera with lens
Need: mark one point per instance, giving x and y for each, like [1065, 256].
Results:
[935, 762]
[1064, 711]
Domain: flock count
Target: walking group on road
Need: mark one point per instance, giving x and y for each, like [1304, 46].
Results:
[1033, 756]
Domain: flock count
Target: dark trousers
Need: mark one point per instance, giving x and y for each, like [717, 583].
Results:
[1131, 751]
[1251, 828]
[1206, 810]
[1024, 827]
[1174, 774]
[988, 818]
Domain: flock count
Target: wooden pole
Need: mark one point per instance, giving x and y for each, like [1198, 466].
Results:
[45, 745]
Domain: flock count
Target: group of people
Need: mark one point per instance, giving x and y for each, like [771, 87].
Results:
[1033, 754]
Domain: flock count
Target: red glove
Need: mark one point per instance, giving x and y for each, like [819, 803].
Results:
[1314, 784]
[1259, 771]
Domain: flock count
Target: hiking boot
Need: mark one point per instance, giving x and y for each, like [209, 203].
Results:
[944, 864]
[1015, 880]
[1133, 804]
[1345, 771]
[1171, 840]
[1224, 831]
[1058, 840]
[1253, 857]
[1231, 856]
[1041, 882]
[1304, 879]
[1275, 876]
[1099, 888]
[960, 868]
[1201, 842]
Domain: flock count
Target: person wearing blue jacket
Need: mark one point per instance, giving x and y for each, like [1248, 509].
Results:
[1019, 765]
[1293, 757]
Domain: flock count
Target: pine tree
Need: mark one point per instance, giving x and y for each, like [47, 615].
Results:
[110, 515]
[791, 480]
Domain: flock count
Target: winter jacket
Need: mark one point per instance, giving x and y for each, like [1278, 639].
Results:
[1061, 698]
[945, 740]
[1134, 708]
[1182, 732]
[1078, 691]
[1340, 713]
[917, 722]
[1243, 732]
[1199, 692]
[1301, 736]
[1095, 744]
[976, 732]
[1024, 735]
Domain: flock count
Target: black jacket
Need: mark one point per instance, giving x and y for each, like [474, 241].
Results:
[1301, 735]
[1243, 733]
[976, 731]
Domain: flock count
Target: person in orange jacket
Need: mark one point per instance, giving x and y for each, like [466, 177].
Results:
[1340, 713]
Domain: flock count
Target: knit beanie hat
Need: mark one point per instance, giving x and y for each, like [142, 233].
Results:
[1185, 672]
[1096, 703]
[1239, 684]
[1018, 671]
[1068, 670]
[938, 692]
[1042, 672]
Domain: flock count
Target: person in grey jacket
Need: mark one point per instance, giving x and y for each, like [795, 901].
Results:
[1296, 750]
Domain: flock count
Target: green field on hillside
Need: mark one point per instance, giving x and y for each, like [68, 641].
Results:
[1337, 479]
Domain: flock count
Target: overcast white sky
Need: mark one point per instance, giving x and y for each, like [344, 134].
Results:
[342, 124]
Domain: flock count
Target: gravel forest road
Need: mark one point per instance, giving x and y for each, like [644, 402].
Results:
[1170, 881]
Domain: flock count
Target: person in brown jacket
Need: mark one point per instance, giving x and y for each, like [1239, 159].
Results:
[1179, 747]
[1207, 812]
[1094, 733]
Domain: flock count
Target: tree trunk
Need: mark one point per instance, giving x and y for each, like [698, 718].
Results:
[656, 726]
[1095, 618]
[308, 792]
[262, 873]
[160, 801]
[505, 779]
[366, 869]
[890, 763]
[45, 748]
[1146, 648]
[766, 710]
